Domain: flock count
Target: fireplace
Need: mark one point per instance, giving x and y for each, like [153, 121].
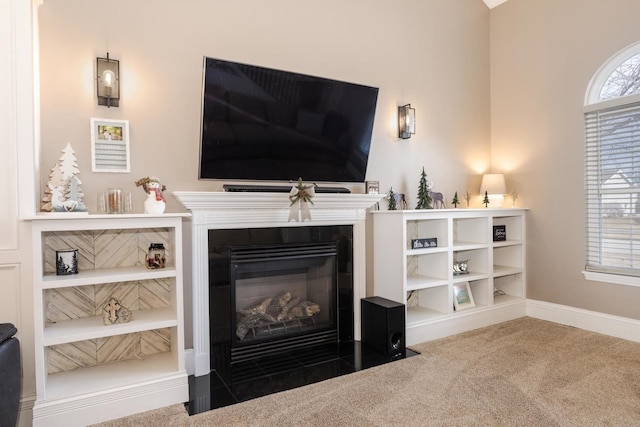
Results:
[277, 289]
[226, 211]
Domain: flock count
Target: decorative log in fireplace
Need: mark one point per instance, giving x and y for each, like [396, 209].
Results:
[276, 314]
[277, 289]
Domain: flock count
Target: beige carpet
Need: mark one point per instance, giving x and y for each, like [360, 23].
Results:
[525, 372]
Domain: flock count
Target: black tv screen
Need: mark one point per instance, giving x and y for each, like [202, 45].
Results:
[265, 124]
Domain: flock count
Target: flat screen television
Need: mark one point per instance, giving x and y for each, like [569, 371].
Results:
[271, 125]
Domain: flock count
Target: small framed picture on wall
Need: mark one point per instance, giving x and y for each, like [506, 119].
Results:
[110, 146]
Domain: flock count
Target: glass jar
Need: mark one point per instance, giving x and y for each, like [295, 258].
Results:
[156, 256]
[115, 201]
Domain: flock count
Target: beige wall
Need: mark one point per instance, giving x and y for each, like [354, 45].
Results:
[433, 54]
[543, 55]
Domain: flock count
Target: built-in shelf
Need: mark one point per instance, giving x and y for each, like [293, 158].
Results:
[88, 328]
[106, 275]
[130, 373]
[422, 282]
[418, 315]
[468, 277]
[500, 270]
[423, 279]
[88, 371]
[424, 251]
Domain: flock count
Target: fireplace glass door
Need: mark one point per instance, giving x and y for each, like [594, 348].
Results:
[283, 294]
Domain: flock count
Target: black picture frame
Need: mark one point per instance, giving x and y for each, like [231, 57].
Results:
[67, 262]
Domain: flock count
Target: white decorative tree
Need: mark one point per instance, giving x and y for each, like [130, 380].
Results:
[74, 193]
[63, 192]
[46, 200]
[55, 184]
[69, 164]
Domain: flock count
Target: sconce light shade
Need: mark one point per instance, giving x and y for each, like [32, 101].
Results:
[406, 121]
[108, 81]
[494, 185]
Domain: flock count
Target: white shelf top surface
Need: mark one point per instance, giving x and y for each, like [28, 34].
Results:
[106, 275]
[110, 376]
[88, 328]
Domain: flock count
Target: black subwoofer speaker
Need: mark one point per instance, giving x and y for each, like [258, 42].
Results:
[383, 325]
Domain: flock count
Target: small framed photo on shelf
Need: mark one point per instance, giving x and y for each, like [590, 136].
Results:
[499, 233]
[67, 262]
[429, 242]
[373, 187]
[462, 296]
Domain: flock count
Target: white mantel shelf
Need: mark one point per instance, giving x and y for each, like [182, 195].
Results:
[195, 200]
[272, 209]
[218, 210]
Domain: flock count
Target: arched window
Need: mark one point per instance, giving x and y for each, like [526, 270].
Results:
[612, 170]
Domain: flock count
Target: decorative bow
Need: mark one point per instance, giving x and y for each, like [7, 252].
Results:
[300, 195]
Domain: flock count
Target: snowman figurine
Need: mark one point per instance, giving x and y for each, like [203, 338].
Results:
[155, 203]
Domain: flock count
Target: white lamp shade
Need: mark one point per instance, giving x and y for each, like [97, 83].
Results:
[493, 183]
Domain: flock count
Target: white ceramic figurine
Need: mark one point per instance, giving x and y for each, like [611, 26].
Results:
[155, 202]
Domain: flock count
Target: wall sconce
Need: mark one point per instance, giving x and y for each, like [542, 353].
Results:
[406, 121]
[108, 81]
[494, 185]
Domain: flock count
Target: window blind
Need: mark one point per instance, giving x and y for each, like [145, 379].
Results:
[612, 185]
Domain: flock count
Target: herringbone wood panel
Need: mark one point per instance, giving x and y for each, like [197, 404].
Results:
[59, 241]
[68, 357]
[105, 249]
[156, 341]
[116, 248]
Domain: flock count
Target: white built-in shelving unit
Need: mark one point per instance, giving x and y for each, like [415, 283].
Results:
[423, 279]
[86, 371]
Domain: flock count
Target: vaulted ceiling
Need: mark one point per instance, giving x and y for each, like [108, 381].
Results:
[493, 3]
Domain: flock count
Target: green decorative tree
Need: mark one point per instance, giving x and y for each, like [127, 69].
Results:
[485, 201]
[455, 200]
[392, 200]
[424, 196]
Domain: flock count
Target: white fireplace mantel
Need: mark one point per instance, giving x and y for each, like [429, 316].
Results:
[219, 210]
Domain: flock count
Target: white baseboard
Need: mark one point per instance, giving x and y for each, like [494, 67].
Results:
[464, 321]
[615, 326]
[25, 418]
[116, 402]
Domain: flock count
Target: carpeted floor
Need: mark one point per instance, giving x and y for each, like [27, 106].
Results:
[525, 372]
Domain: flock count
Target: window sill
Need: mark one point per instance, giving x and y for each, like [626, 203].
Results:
[612, 278]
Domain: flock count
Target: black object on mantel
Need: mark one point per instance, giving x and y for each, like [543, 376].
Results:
[10, 375]
[239, 188]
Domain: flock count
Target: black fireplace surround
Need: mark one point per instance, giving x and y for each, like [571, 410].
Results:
[276, 289]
